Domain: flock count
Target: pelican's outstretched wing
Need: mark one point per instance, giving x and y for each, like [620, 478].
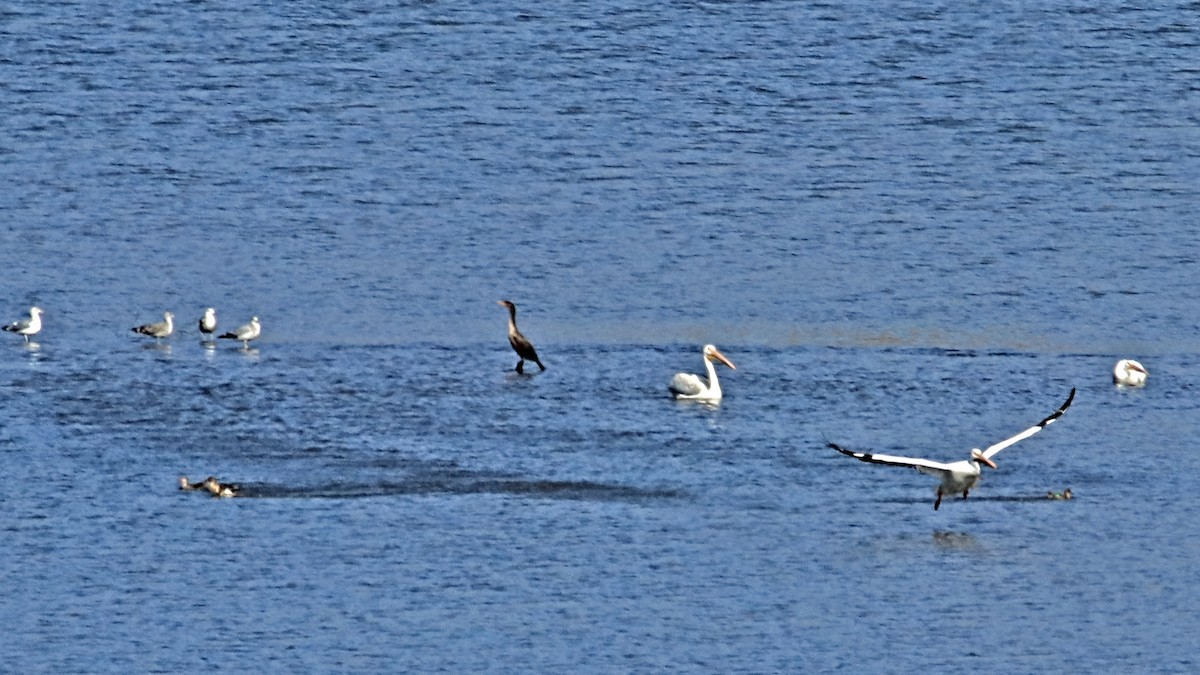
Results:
[923, 465]
[686, 384]
[993, 449]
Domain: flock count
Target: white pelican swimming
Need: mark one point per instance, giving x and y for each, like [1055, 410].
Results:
[957, 476]
[685, 386]
[245, 333]
[161, 329]
[27, 327]
[1129, 373]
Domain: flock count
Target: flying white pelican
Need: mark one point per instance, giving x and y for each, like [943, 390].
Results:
[685, 386]
[245, 333]
[27, 327]
[1129, 373]
[208, 322]
[520, 344]
[158, 330]
[957, 476]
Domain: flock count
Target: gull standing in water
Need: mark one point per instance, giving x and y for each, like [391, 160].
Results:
[208, 322]
[685, 386]
[957, 476]
[27, 327]
[520, 344]
[158, 330]
[245, 333]
[1129, 373]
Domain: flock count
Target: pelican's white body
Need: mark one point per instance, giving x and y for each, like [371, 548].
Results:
[689, 387]
[1129, 373]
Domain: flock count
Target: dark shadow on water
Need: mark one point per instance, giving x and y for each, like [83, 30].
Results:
[954, 540]
[547, 489]
[972, 498]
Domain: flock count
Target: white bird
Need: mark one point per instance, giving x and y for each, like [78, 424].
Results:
[685, 386]
[1129, 373]
[208, 322]
[957, 476]
[245, 333]
[27, 327]
[158, 330]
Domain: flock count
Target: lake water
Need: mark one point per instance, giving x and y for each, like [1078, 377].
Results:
[913, 227]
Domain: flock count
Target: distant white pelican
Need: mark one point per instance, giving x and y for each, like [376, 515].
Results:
[161, 329]
[520, 344]
[1129, 373]
[245, 333]
[685, 386]
[208, 322]
[27, 327]
[957, 476]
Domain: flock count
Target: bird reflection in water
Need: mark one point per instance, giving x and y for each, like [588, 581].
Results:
[947, 539]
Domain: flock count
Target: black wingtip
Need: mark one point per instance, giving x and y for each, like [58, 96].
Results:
[839, 448]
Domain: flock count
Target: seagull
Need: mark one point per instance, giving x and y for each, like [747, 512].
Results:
[520, 344]
[685, 386]
[208, 322]
[158, 330]
[957, 476]
[27, 327]
[245, 333]
[1129, 373]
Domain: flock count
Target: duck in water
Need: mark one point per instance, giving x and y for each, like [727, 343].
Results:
[219, 489]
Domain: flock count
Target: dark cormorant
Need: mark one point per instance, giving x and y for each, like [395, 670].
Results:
[520, 344]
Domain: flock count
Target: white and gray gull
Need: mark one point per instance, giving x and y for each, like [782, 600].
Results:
[208, 322]
[158, 330]
[245, 333]
[27, 327]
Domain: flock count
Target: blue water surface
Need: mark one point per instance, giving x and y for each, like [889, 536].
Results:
[913, 227]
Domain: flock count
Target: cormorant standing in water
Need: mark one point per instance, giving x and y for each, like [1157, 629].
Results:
[520, 344]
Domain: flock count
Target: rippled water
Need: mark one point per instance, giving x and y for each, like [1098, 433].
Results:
[913, 227]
